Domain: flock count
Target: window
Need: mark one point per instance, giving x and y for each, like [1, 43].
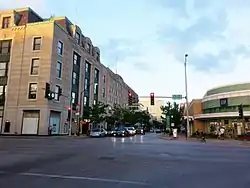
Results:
[85, 101]
[104, 79]
[73, 96]
[60, 48]
[32, 91]
[6, 22]
[96, 75]
[59, 69]
[1, 92]
[95, 88]
[34, 66]
[86, 84]
[37, 43]
[3, 68]
[103, 92]
[78, 38]
[97, 56]
[88, 47]
[74, 77]
[57, 88]
[75, 59]
[5, 47]
[86, 66]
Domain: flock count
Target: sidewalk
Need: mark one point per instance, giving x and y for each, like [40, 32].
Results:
[213, 141]
[42, 136]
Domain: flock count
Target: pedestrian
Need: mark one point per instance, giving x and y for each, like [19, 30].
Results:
[50, 130]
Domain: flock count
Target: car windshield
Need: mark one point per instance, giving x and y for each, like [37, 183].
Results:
[130, 128]
[96, 130]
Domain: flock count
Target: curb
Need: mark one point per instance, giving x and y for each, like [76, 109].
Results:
[239, 143]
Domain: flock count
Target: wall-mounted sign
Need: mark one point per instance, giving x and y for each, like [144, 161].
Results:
[223, 102]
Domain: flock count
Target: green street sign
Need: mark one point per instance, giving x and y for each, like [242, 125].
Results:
[176, 97]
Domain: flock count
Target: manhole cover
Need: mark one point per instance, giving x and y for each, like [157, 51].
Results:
[108, 158]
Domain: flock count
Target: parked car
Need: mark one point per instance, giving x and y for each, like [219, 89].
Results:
[112, 132]
[131, 131]
[97, 133]
[157, 130]
[140, 130]
[122, 132]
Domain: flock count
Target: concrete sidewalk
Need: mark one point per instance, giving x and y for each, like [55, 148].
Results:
[213, 141]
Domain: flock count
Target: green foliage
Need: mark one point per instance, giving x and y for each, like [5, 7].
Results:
[119, 115]
[97, 112]
[174, 112]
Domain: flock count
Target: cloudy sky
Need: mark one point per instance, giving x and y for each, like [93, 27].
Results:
[145, 40]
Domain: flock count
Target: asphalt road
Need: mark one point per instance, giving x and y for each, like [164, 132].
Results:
[141, 161]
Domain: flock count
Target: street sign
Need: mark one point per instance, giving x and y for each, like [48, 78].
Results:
[176, 97]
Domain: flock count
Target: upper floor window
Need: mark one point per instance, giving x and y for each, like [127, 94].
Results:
[5, 46]
[86, 84]
[86, 66]
[88, 47]
[74, 78]
[73, 97]
[97, 56]
[32, 91]
[76, 59]
[57, 88]
[96, 75]
[34, 66]
[37, 41]
[59, 69]
[6, 22]
[104, 79]
[3, 68]
[60, 48]
[78, 38]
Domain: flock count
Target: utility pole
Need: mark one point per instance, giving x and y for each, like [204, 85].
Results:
[186, 90]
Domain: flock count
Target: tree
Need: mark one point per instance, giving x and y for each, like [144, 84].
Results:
[174, 112]
[121, 115]
[97, 112]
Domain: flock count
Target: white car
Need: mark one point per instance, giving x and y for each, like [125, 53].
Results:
[131, 130]
[97, 133]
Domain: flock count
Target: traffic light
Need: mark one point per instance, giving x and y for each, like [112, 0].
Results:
[240, 109]
[60, 92]
[130, 99]
[152, 98]
[47, 91]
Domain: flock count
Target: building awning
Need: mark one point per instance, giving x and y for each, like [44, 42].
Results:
[220, 115]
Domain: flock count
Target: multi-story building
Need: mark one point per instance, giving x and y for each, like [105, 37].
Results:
[219, 107]
[35, 51]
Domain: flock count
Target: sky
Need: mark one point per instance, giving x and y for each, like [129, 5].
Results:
[145, 40]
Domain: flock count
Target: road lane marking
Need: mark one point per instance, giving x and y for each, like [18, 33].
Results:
[83, 178]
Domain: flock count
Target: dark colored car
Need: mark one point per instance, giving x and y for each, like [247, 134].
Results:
[140, 130]
[122, 132]
[113, 132]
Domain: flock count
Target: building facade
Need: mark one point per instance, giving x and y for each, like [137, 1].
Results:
[35, 51]
[154, 110]
[220, 108]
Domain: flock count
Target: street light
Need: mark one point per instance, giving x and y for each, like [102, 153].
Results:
[186, 90]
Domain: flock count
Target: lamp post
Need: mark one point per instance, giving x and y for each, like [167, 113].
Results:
[186, 90]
